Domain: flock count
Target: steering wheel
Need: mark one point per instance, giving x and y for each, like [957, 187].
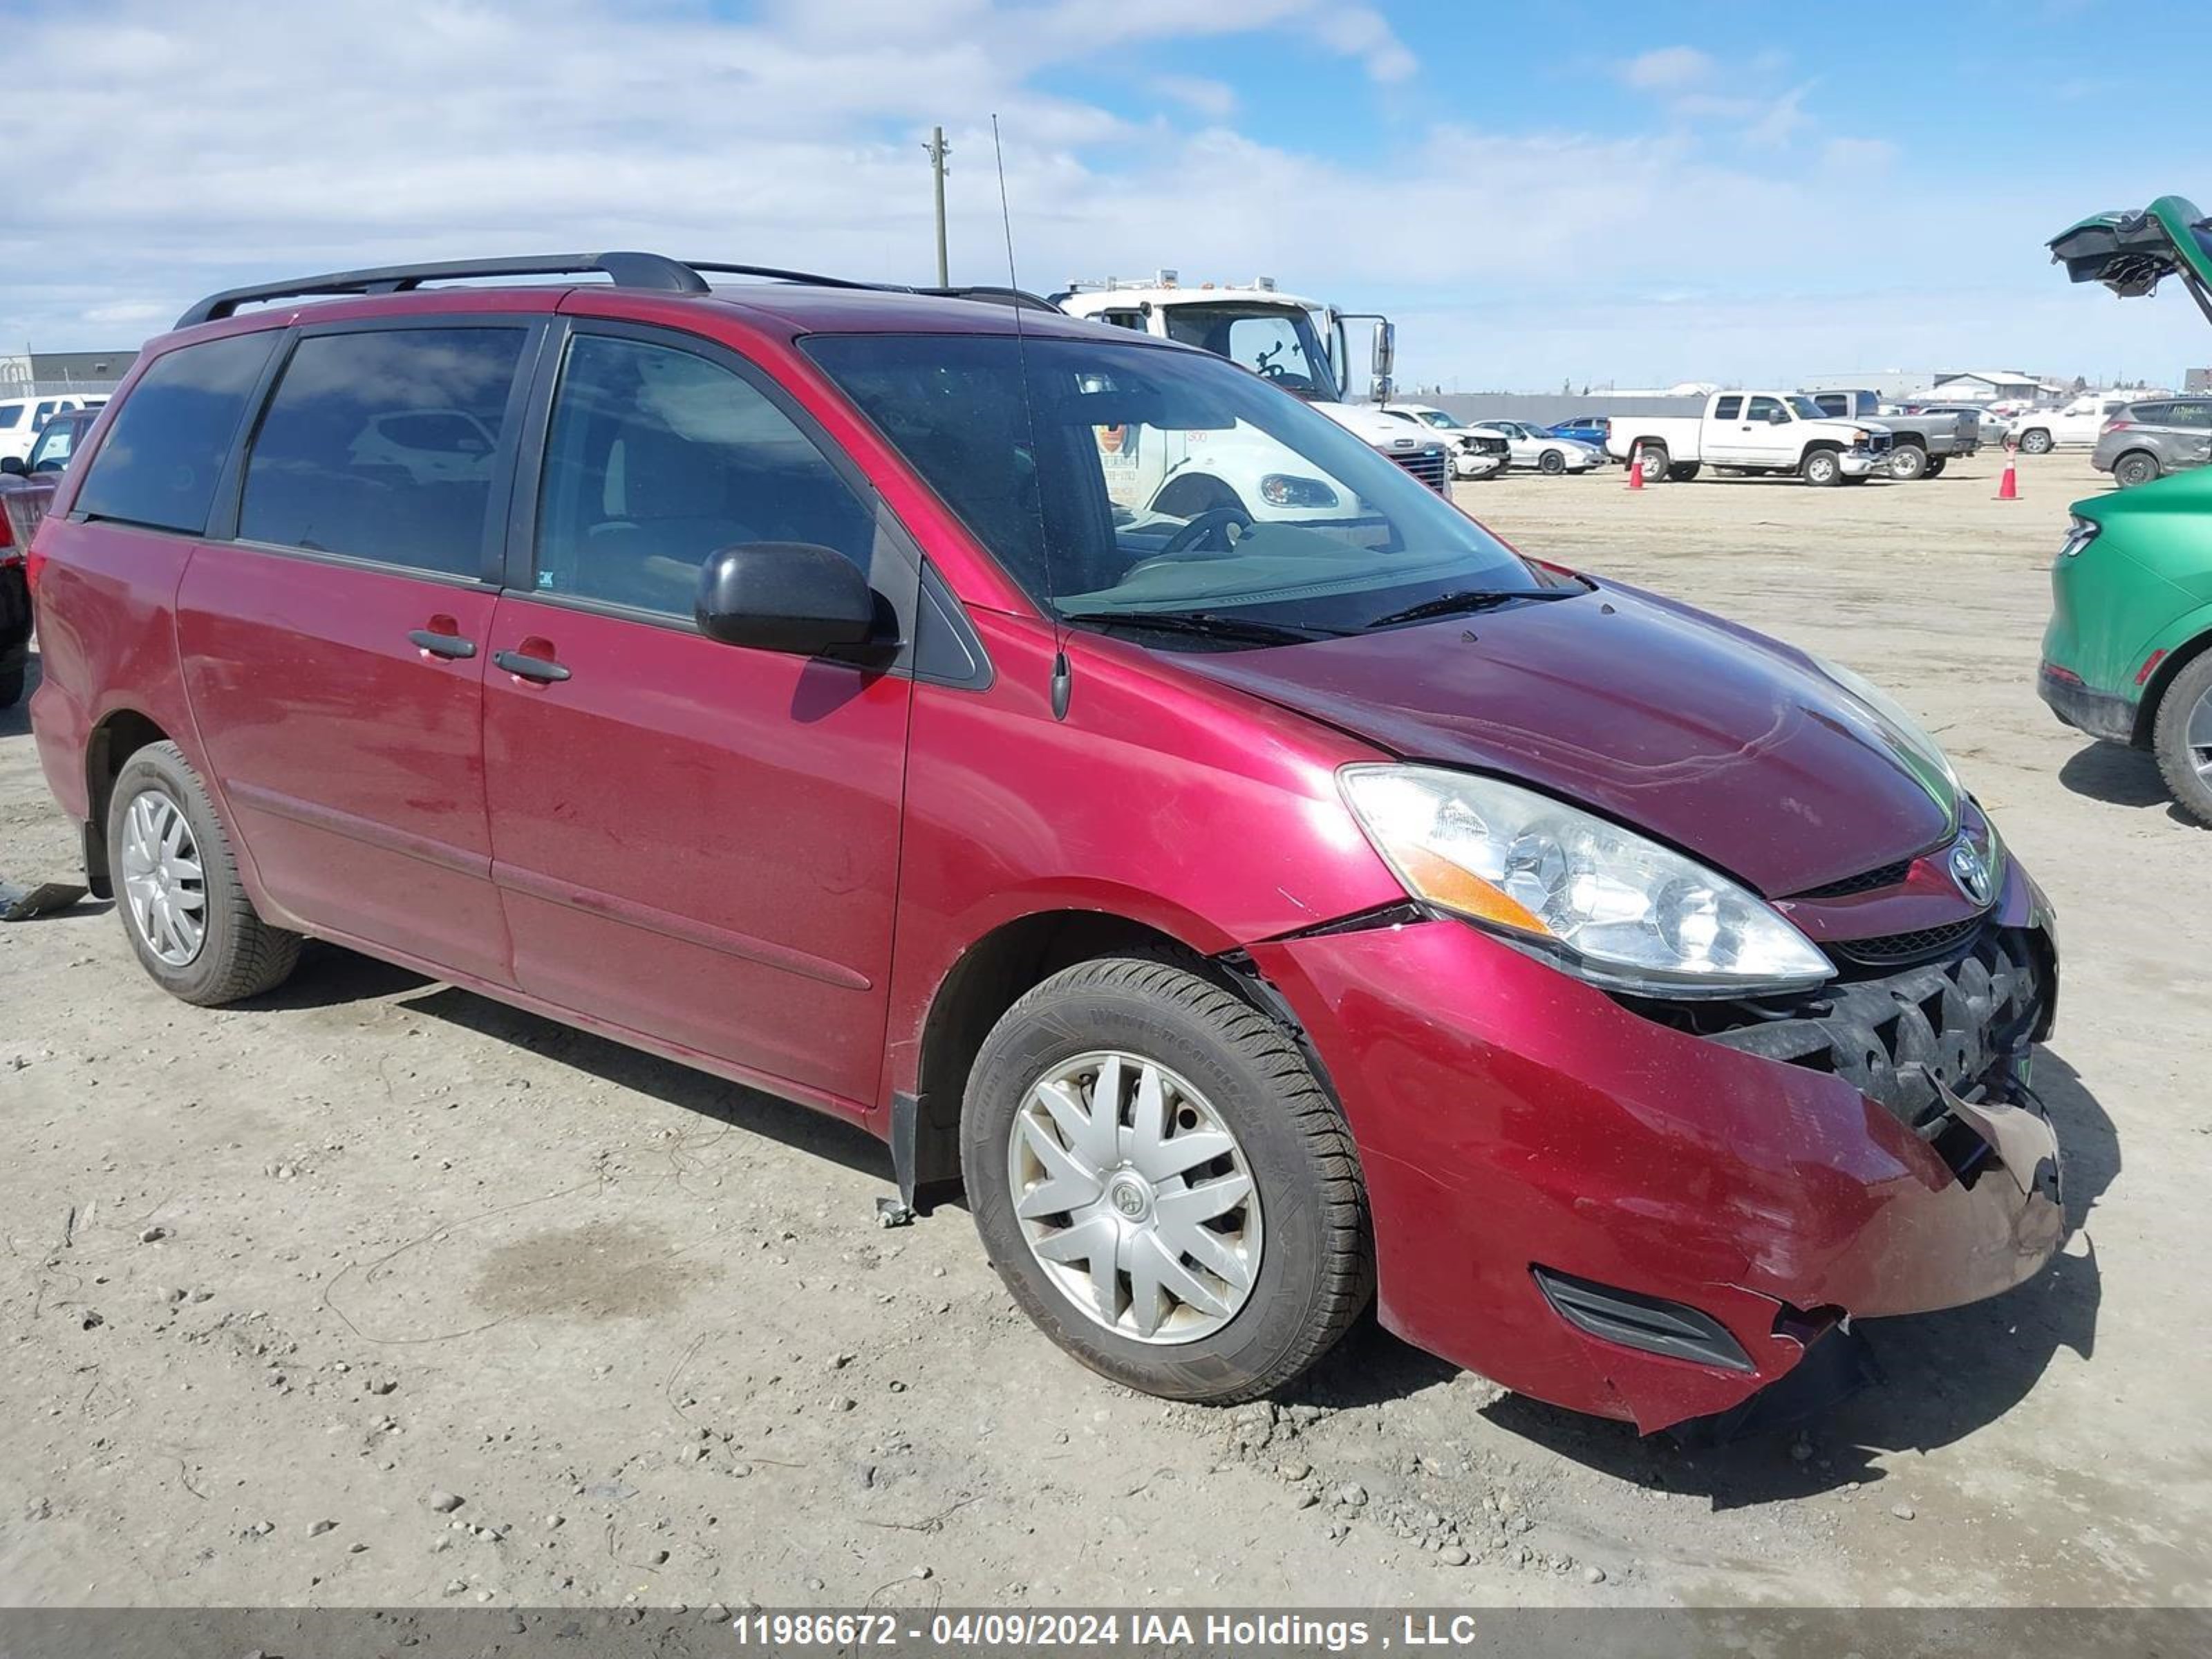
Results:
[1215, 521]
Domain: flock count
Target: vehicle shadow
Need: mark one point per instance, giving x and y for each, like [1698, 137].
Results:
[329, 976]
[2121, 776]
[15, 722]
[1943, 1374]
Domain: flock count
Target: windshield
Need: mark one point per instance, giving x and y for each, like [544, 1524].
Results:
[51, 452]
[1806, 410]
[1276, 342]
[1438, 417]
[1165, 484]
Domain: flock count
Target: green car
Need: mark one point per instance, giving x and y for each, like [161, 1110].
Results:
[2128, 656]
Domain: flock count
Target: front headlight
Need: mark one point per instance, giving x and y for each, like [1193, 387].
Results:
[1602, 902]
[1905, 736]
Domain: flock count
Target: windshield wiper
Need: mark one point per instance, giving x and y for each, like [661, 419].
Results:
[1208, 624]
[1470, 599]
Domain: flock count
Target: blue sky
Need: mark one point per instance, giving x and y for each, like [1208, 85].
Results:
[1540, 193]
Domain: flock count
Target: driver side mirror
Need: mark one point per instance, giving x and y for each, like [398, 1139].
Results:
[1777, 417]
[1384, 358]
[13, 466]
[791, 597]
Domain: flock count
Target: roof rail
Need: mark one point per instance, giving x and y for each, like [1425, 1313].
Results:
[652, 270]
[777, 274]
[1020, 298]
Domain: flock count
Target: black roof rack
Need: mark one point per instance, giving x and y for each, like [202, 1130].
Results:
[653, 270]
[645, 270]
[1020, 298]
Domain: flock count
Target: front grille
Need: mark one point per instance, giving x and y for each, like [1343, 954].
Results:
[1866, 881]
[1430, 466]
[1963, 1022]
[1895, 950]
[1878, 443]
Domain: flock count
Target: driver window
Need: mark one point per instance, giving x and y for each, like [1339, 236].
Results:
[656, 458]
[1767, 409]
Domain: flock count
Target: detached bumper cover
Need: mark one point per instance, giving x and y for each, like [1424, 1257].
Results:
[1511, 1118]
[2100, 714]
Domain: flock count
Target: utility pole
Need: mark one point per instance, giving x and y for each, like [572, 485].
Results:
[939, 149]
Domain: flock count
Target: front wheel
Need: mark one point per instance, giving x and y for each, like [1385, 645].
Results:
[1162, 1184]
[2182, 737]
[2135, 468]
[186, 915]
[2036, 442]
[1821, 468]
[1551, 462]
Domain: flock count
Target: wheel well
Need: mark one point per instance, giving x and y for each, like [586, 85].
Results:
[114, 741]
[2153, 694]
[2125, 454]
[997, 972]
[1659, 444]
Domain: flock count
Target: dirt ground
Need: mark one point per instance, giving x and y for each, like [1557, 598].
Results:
[376, 1292]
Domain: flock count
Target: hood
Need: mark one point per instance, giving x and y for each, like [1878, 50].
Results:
[1723, 743]
[1383, 431]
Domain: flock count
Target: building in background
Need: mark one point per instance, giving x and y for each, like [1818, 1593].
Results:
[1990, 386]
[36, 372]
[2197, 382]
[1892, 385]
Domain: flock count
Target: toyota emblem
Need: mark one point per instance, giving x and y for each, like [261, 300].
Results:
[1971, 871]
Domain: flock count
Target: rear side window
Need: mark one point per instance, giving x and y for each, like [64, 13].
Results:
[382, 446]
[1728, 409]
[167, 446]
[657, 457]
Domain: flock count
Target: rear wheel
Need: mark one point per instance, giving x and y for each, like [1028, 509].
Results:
[2136, 467]
[2035, 441]
[2182, 737]
[1936, 464]
[14, 666]
[1822, 469]
[1652, 461]
[1162, 1184]
[187, 917]
[1908, 462]
[1682, 471]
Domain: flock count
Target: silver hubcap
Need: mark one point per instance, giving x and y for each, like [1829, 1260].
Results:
[1134, 1197]
[161, 878]
[2199, 737]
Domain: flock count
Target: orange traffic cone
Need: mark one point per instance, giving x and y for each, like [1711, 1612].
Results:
[2008, 486]
[1636, 467]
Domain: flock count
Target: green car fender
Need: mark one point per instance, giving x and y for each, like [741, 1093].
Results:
[2180, 641]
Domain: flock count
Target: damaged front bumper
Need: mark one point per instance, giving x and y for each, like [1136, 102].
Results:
[1714, 1210]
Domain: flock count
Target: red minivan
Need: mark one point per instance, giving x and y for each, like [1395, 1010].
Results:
[1259, 912]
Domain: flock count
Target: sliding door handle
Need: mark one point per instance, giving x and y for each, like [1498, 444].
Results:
[542, 669]
[443, 645]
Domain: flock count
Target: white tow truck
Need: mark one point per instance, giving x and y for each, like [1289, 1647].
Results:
[1752, 432]
[1300, 344]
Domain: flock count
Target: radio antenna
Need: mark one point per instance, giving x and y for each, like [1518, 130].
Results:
[1061, 684]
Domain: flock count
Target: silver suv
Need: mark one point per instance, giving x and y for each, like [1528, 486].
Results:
[2151, 439]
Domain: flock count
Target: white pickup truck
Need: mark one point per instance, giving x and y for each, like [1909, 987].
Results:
[2081, 422]
[1752, 432]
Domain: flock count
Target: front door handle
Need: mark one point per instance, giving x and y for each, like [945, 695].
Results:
[443, 645]
[542, 669]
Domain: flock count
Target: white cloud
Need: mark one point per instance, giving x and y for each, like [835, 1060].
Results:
[1670, 69]
[1215, 99]
[197, 155]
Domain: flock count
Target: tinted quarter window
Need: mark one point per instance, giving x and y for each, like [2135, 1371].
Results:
[1728, 409]
[656, 458]
[169, 440]
[382, 445]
